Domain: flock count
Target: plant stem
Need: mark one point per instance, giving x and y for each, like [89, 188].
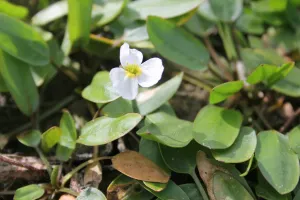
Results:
[79, 167]
[44, 159]
[69, 191]
[197, 83]
[199, 185]
[226, 36]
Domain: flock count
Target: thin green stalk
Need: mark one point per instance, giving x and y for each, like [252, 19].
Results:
[79, 167]
[44, 159]
[226, 36]
[248, 167]
[199, 185]
[69, 191]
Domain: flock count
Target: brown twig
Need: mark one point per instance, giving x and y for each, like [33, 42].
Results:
[289, 121]
[20, 163]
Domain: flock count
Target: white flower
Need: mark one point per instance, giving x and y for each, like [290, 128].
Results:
[133, 72]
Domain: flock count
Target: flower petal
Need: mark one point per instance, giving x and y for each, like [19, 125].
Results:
[130, 56]
[125, 86]
[124, 53]
[152, 71]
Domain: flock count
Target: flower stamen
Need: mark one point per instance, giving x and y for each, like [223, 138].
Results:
[133, 70]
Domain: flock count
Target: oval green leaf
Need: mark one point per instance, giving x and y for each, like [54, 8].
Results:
[31, 138]
[91, 194]
[31, 192]
[226, 186]
[68, 131]
[181, 160]
[294, 139]
[152, 99]
[171, 132]
[225, 90]
[277, 162]
[163, 8]
[101, 89]
[105, 129]
[241, 150]
[216, 127]
[226, 10]
[28, 46]
[79, 21]
[124, 106]
[18, 80]
[13, 10]
[50, 138]
[176, 44]
[63, 153]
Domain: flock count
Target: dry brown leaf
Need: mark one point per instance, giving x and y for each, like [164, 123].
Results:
[93, 175]
[67, 197]
[119, 191]
[139, 167]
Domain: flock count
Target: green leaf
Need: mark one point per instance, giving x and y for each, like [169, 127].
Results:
[18, 80]
[31, 192]
[150, 100]
[192, 191]
[13, 10]
[241, 150]
[104, 14]
[225, 90]
[42, 75]
[226, 186]
[249, 22]
[294, 139]
[269, 73]
[266, 6]
[31, 138]
[111, 129]
[162, 8]
[124, 106]
[172, 191]
[161, 115]
[136, 34]
[101, 89]
[3, 87]
[54, 174]
[170, 131]
[200, 25]
[150, 150]
[216, 127]
[226, 10]
[277, 162]
[181, 160]
[79, 21]
[50, 13]
[91, 194]
[266, 191]
[63, 153]
[68, 131]
[28, 46]
[205, 11]
[176, 44]
[50, 138]
[290, 85]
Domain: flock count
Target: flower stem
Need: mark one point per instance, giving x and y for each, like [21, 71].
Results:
[44, 159]
[79, 167]
[199, 185]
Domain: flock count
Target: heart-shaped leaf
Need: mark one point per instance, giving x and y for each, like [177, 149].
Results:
[171, 131]
[137, 166]
[162, 8]
[28, 46]
[31, 192]
[216, 127]
[19, 82]
[31, 138]
[176, 44]
[241, 150]
[225, 90]
[152, 99]
[100, 90]
[276, 161]
[105, 129]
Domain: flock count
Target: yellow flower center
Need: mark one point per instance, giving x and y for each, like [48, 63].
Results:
[133, 70]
